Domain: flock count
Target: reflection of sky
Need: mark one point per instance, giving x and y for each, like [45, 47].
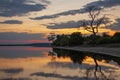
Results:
[22, 18]
[21, 52]
[33, 63]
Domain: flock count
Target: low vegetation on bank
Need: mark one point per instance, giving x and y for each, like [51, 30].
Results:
[76, 38]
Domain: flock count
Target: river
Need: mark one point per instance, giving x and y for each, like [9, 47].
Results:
[45, 63]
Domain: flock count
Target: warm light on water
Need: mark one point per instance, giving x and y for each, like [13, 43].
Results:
[26, 63]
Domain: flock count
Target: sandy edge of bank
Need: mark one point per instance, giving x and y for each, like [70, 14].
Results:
[100, 50]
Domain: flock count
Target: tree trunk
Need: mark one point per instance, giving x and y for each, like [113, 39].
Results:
[94, 39]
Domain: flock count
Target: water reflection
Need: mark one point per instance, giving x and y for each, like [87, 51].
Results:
[15, 79]
[37, 63]
[98, 71]
[17, 63]
[22, 52]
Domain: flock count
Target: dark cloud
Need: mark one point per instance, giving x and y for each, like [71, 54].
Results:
[70, 12]
[11, 22]
[10, 8]
[20, 36]
[71, 24]
[102, 3]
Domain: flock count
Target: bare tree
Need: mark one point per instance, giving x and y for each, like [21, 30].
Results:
[96, 20]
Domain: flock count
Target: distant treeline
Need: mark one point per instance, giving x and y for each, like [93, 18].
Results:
[76, 38]
[32, 44]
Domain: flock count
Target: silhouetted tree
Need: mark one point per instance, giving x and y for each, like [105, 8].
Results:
[104, 39]
[52, 37]
[116, 37]
[76, 39]
[105, 35]
[61, 40]
[68, 40]
[96, 20]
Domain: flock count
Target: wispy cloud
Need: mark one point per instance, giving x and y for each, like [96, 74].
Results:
[66, 13]
[116, 25]
[10, 8]
[45, 1]
[11, 22]
[71, 24]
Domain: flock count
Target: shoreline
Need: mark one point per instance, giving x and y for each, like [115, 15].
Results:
[100, 50]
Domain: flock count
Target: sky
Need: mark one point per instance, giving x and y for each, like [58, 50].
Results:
[31, 21]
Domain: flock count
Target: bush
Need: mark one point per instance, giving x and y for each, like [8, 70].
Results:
[104, 40]
[76, 39]
[62, 40]
[116, 38]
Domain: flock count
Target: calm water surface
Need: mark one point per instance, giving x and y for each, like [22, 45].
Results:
[36, 63]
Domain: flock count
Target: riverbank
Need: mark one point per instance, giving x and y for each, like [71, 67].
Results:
[113, 51]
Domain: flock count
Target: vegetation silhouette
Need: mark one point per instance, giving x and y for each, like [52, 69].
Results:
[76, 39]
[97, 20]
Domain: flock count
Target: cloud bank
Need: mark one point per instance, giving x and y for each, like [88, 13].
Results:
[20, 36]
[15, 38]
[104, 3]
[9, 8]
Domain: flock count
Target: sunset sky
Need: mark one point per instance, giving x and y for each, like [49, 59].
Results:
[29, 21]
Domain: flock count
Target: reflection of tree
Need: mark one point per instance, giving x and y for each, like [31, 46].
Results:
[76, 58]
[79, 57]
[53, 59]
[99, 74]
[96, 71]
[53, 55]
